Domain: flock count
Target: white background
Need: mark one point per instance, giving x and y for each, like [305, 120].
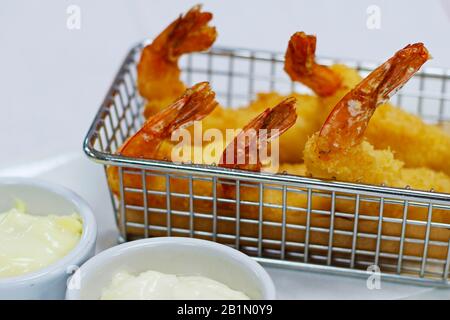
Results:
[53, 79]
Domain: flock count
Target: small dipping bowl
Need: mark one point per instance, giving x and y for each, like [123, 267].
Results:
[172, 255]
[43, 198]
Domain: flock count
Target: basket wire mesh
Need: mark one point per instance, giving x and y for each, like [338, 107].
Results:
[364, 225]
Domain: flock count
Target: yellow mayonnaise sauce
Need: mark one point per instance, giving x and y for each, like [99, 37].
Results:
[31, 242]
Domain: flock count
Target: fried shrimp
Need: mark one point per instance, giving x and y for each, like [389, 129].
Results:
[281, 118]
[413, 141]
[329, 83]
[196, 103]
[158, 71]
[340, 151]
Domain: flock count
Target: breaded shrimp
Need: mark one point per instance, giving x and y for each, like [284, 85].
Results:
[340, 151]
[193, 105]
[329, 83]
[413, 141]
[158, 71]
[267, 126]
[281, 117]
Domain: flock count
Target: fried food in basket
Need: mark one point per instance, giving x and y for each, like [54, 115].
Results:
[340, 151]
[147, 143]
[396, 149]
[414, 142]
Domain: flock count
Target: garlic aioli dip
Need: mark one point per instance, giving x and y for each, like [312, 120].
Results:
[31, 242]
[153, 285]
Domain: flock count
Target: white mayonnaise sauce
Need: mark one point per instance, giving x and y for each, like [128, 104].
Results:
[153, 285]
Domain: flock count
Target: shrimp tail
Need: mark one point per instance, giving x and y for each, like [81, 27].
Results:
[195, 104]
[347, 122]
[189, 33]
[301, 66]
[266, 127]
[158, 70]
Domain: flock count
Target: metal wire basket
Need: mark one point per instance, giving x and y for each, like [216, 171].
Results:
[347, 238]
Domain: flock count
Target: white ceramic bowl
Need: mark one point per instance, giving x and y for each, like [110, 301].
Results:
[47, 198]
[172, 255]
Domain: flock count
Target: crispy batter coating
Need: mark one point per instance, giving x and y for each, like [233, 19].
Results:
[412, 140]
[363, 163]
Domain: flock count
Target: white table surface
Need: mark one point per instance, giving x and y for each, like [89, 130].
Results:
[52, 80]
